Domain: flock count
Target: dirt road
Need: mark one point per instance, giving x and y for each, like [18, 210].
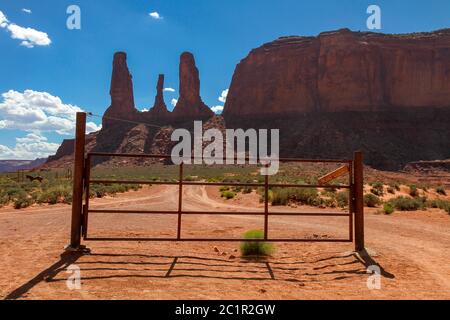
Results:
[412, 249]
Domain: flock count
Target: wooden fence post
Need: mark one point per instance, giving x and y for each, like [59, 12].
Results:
[77, 198]
[358, 190]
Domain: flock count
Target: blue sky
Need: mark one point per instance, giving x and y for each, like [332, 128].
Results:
[76, 65]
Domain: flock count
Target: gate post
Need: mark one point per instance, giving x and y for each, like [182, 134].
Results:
[358, 193]
[78, 175]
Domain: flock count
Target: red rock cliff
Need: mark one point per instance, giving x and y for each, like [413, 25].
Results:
[190, 104]
[342, 71]
[121, 91]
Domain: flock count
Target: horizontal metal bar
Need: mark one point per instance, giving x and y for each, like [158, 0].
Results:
[165, 156]
[250, 213]
[237, 184]
[215, 240]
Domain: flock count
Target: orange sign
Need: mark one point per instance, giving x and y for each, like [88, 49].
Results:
[335, 174]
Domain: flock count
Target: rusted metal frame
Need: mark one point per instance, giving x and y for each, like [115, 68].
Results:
[266, 204]
[87, 173]
[350, 201]
[216, 239]
[234, 184]
[180, 201]
[243, 213]
[137, 155]
[359, 200]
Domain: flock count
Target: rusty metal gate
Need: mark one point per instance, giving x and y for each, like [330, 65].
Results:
[83, 181]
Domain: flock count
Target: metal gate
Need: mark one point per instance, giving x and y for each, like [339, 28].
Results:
[83, 181]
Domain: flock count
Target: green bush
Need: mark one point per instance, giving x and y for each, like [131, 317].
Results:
[255, 248]
[371, 200]
[407, 204]
[440, 204]
[342, 198]
[224, 188]
[441, 190]
[413, 191]
[306, 196]
[377, 189]
[228, 195]
[388, 208]
[23, 202]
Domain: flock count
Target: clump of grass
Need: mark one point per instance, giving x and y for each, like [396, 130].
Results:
[440, 204]
[391, 190]
[377, 189]
[228, 195]
[56, 194]
[255, 248]
[441, 190]
[23, 201]
[388, 208]
[342, 199]
[413, 191]
[407, 204]
[306, 196]
[247, 190]
[371, 200]
[396, 186]
[224, 188]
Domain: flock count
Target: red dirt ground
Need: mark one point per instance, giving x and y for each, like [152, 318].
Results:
[413, 249]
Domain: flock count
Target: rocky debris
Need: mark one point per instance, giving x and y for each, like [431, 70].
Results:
[342, 71]
[216, 249]
[159, 110]
[121, 91]
[190, 104]
[232, 257]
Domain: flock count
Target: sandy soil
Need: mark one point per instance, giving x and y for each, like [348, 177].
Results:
[413, 250]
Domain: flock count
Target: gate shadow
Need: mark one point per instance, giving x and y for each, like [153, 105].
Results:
[268, 269]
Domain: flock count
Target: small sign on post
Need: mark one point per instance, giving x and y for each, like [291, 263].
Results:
[335, 174]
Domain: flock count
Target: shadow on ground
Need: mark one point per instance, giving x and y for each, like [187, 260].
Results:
[102, 266]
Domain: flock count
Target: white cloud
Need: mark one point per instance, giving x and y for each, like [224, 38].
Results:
[169, 89]
[30, 147]
[3, 20]
[144, 110]
[27, 10]
[223, 96]
[30, 37]
[155, 15]
[217, 109]
[174, 102]
[39, 111]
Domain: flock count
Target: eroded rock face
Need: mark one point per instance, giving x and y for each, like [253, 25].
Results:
[121, 91]
[190, 104]
[342, 71]
[159, 109]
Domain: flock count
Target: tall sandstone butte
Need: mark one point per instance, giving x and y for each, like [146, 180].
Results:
[342, 71]
[121, 91]
[159, 109]
[190, 104]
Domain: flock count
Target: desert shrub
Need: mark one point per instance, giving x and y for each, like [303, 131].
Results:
[413, 191]
[191, 178]
[56, 194]
[441, 190]
[228, 195]
[397, 187]
[391, 190]
[4, 200]
[247, 190]
[224, 188]
[307, 196]
[23, 201]
[388, 208]
[377, 189]
[407, 204]
[440, 204]
[342, 198]
[371, 200]
[255, 248]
